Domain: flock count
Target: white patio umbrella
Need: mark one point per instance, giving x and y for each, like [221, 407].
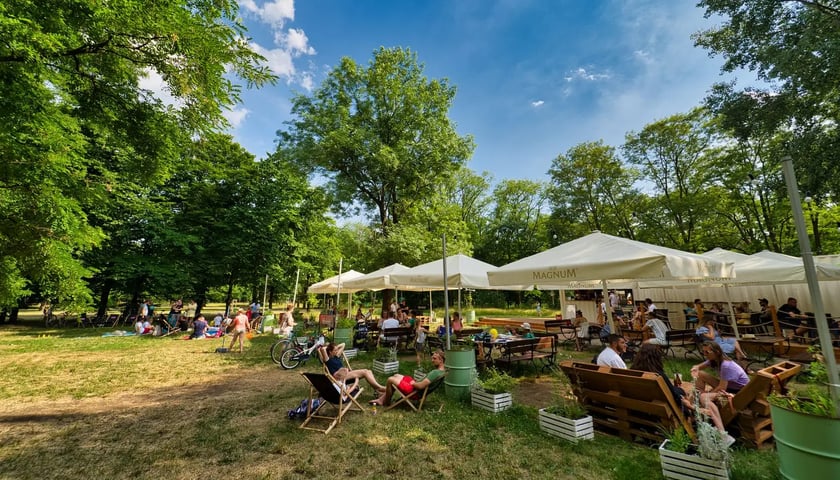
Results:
[381, 279]
[331, 285]
[611, 260]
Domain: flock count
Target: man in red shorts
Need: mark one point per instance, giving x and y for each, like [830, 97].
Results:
[407, 385]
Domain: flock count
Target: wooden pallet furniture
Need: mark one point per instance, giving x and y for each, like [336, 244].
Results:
[630, 404]
[749, 409]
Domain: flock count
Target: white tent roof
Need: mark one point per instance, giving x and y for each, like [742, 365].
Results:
[770, 267]
[599, 256]
[461, 272]
[380, 279]
[331, 285]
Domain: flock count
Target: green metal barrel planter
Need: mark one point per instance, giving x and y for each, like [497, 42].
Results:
[460, 372]
[343, 335]
[808, 445]
[268, 323]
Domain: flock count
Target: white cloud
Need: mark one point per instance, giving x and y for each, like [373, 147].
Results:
[643, 57]
[157, 88]
[279, 60]
[307, 82]
[537, 104]
[295, 41]
[273, 13]
[582, 74]
[235, 116]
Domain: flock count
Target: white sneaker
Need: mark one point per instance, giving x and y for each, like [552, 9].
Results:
[728, 440]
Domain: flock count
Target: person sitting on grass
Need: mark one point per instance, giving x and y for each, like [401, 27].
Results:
[730, 380]
[331, 355]
[199, 327]
[407, 385]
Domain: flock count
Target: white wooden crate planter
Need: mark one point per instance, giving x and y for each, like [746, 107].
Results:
[386, 367]
[351, 353]
[565, 428]
[492, 402]
[683, 466]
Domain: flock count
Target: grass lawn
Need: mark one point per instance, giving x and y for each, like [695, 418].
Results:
[76, 405]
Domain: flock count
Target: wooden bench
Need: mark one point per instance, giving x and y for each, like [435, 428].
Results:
[684, 338]
[526, 350]
[398, 334]
[630, 404]
[467, 332]
[564, 329]
[749, 408]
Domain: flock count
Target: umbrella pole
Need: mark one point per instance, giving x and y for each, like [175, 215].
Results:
[294, 295]
[734, 320]
[607, 317]
[445, 297]
[813, 284]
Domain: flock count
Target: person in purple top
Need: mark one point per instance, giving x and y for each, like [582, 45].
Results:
[730, 379]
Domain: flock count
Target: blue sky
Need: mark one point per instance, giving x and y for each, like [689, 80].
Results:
[533, 78]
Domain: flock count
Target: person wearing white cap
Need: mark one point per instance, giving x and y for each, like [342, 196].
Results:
[526, 327]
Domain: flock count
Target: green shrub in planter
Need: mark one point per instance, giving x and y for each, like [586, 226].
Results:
[494, 381]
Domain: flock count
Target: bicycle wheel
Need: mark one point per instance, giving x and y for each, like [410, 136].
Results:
[290, 358]
[277, 350]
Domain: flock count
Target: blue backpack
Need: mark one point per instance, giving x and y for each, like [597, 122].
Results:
[299, 412]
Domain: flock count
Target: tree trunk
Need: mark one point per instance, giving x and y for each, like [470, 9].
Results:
[102, 307]
[229, 296]
[200, 301]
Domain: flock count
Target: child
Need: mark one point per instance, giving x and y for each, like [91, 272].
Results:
[419, 341]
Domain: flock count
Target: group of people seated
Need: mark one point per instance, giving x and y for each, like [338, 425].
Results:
[332, 357]
[716, 378]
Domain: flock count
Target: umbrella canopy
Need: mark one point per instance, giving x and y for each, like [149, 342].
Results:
[379, 279]
[770, 267]
[461, 272]
[599, 256]
[331, 285]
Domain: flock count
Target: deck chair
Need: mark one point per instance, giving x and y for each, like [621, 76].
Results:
[167, 328]
[335, 394]
[417, 398]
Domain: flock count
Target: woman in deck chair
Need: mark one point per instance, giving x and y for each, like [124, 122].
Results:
[407, 385]
[331, 355]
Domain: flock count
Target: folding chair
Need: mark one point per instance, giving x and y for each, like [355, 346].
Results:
[418, 396]
[167, 328]
[335, 393]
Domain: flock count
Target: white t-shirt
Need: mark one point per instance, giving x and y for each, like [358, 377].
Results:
[138, 327]
[390, 323]
[658, 329]
[651, 308]
[610, 358]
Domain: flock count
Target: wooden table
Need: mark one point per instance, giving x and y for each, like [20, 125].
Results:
[765, 346]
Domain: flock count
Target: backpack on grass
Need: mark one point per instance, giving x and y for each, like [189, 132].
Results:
[299, 412]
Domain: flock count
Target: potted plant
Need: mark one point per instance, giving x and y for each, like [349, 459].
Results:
[493, 391]
[343, 333]
[807, 428]
[385, 361]
[567, 419]
[708, 459]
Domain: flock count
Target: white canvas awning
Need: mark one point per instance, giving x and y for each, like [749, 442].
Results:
[612, 260]
[461, 272]
[335, 284]
[381, 280]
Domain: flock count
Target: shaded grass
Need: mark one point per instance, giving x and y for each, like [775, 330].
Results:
[167, 408]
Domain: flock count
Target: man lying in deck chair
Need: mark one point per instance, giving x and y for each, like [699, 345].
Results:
[407, 386]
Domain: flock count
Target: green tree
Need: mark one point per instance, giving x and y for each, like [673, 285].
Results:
[74, 122]
[380, 134]
[592, 190]
[517, 222]
[674, 157]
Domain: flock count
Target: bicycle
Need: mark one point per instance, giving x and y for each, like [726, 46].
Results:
[294, 353]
